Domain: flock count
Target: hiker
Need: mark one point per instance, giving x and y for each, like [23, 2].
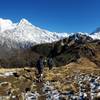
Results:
[40, 67]
[50, 63]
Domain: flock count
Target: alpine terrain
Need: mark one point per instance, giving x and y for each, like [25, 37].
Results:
[22, 43]
[23, 34]
[75, 74]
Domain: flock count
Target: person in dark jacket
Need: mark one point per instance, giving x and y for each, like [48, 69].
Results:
[50, 63]
[40, 67]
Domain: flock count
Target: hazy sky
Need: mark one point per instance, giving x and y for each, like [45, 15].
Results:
[54, 15]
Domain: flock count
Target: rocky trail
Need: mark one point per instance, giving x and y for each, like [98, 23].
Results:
[70, 82]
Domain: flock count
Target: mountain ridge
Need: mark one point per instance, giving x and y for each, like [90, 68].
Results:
[24, 34]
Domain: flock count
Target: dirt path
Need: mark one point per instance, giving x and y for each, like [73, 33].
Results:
[39, 90]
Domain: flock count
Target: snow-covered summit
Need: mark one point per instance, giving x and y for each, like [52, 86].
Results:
[23, 34]
[24, 22]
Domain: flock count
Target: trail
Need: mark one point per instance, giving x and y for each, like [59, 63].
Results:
[39, 90]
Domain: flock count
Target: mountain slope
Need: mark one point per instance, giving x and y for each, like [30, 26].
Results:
[22, 43]
[23, 34]
[71, 49]
[6, 24]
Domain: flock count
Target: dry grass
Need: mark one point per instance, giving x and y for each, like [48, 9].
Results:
[61, 77]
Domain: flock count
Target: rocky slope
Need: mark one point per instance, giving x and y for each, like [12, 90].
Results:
[63, 52]
[71, 49]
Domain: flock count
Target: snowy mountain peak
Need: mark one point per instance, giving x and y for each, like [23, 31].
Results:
[6, 24]
[24, 22]
[23, 34]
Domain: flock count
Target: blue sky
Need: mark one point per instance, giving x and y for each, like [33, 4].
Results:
[54, 15]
